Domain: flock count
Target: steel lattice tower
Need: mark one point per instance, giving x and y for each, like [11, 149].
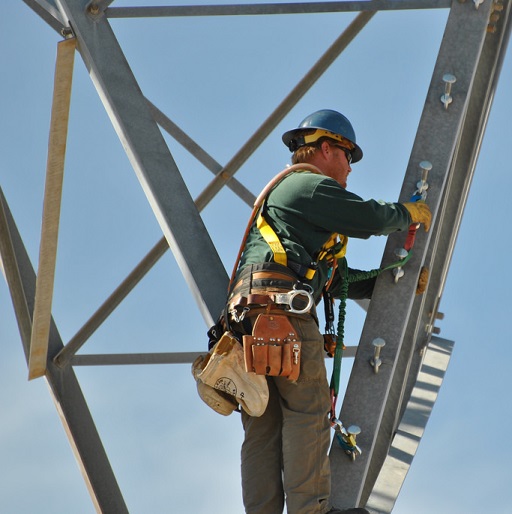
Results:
[467, 70]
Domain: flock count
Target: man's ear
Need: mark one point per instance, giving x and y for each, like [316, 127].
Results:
[325, 147]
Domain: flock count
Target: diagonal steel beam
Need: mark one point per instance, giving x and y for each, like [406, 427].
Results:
[48, 11]
[371, 399]
[65, 390]
[286, 105]
[154, 166]
[199, 153]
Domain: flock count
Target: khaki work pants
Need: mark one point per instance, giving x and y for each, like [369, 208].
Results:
[285, 451]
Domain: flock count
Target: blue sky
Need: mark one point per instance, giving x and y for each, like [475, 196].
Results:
[219, 79]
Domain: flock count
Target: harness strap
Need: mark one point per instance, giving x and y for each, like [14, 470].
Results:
[272, 240]
[259, 202]
[334, 248]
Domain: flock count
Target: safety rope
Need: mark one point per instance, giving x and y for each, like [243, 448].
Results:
[347, 279]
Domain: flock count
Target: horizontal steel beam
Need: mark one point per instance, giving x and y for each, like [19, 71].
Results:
[273, 8]
[119, 359]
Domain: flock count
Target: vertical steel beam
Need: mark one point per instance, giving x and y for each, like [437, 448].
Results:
[372, 399]
[67, 395]
[486, 79]
[149, 155]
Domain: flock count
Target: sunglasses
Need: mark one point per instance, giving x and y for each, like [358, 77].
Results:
[347, 153]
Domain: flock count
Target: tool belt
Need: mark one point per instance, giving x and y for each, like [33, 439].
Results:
[273, 348]
[272, 294]
[272, 286]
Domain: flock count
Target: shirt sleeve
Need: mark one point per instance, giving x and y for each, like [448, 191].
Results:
[359, 290]
[338, 210]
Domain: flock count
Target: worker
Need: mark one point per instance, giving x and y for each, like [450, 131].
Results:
[296, 244]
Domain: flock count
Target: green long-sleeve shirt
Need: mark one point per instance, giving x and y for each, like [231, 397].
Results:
[305, 209]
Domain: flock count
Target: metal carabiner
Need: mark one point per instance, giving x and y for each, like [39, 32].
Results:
[238, 318]
[287, 299]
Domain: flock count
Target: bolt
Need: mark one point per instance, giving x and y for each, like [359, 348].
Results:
[66, 32]
[398, 272]
[448, 79]
[401, 253]
[378, 343]
[425, 166]
[422, 185]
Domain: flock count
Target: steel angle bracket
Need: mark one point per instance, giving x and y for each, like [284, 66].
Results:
[412, 426]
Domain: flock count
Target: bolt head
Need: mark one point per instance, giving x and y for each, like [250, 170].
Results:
[449, 78]
[353, 430]
[378, 342]
[426, 165]
[401, 253]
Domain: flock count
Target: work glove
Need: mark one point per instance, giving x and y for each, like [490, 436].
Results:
[420, 213]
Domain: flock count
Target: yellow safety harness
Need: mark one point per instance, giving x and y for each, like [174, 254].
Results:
[268, 232]
[334, 248]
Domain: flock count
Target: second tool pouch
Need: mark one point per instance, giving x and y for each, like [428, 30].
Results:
[273, 348]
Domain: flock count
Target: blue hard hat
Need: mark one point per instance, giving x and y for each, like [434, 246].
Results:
[324, 123]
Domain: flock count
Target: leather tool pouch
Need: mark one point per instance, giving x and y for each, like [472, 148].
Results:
[273, 348]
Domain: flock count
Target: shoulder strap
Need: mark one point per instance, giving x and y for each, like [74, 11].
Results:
[259, 202]
[272, 240]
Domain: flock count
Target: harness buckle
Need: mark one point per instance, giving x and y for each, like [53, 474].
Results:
[289, 297]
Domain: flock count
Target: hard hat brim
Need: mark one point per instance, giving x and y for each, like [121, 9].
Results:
[296, 135]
